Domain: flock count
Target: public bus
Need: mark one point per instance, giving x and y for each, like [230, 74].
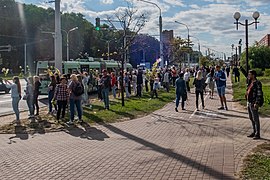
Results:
[79, 65]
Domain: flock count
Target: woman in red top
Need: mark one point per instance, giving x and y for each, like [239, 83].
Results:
[113, 84]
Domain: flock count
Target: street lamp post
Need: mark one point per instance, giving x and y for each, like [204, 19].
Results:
[188, 40]
[160, 32]
[199, 46]
[67, 33]
[237, 16]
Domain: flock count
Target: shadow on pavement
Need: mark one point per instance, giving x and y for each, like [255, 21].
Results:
[170, 153]
[86, 131]
[20, 132]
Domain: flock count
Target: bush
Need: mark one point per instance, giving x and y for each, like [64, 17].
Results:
[259, 71]
[267, 72]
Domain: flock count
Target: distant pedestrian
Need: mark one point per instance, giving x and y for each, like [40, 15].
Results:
[105, 88]
[174, 76]
[199, 88]
[236, 74]
[254, 96]
[155, 88]
[119, 84]
[228, 69]
[61, 96]
[37, 85]
[15, 95]
[113, 84]
[29, 96]
[51, 89]
[126, 84]
[210, 82]
[166, 80]
[187, 79]
[139, 83]
[220, 79]
[181, 92]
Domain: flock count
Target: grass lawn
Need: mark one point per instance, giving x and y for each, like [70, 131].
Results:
[257, 164]
[239, 90]
[134, 107]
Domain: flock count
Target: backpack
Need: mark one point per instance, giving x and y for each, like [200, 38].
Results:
[78, 89]
[261, 99]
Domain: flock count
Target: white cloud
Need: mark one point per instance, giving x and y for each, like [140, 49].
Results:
[194, 6]
[106, 1]
[175, 2]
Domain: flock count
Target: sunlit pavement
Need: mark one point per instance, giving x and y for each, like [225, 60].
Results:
[205, 144]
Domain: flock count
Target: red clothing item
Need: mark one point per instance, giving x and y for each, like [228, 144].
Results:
[113, 80]
[174, 73]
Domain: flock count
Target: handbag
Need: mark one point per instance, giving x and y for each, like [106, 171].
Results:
[208, 80]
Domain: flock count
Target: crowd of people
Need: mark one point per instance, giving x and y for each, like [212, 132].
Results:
[72, 90]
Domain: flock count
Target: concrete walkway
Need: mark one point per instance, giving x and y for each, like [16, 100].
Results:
[206, 144]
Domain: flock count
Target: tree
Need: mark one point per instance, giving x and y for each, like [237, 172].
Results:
[179, 50]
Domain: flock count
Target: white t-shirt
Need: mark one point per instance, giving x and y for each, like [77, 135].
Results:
[186, 76]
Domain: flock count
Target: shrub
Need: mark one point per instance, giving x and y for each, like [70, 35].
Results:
[267, 72]
[259, 71]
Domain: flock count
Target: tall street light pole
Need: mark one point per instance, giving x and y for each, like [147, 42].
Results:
[237, 16]
[188, 41]
[199, 46]
[160, 32]
[67, 33]
[58, 37]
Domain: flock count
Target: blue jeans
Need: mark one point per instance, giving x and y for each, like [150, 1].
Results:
[114, 91]
[178, 97]
[127, 92]
[78, 105]
[105, 96]
[50, 97]
[15, 106]
[30, 104]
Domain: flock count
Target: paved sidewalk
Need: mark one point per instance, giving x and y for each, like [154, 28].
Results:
[206, 144]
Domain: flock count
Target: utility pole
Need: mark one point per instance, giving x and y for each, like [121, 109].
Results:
[58, 37]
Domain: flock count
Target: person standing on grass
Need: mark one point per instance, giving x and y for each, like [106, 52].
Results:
[126, 84]
[181, 92]
[220, 79]
[15, 95]
[134, 82]
[75, 98]
[140, 83]
[236, 74]
[113, 84]
[51, 89]
[254, 97]
[37, 85]
[199, 88]
[105, 88]
[166, 80]
[61, 96]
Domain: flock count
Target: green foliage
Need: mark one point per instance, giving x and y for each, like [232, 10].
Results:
[267, 72]
[259, 71]
[259, 57]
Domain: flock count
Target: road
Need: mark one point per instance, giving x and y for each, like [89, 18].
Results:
[6, 106]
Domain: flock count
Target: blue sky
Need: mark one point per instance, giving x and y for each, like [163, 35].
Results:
[210, 21]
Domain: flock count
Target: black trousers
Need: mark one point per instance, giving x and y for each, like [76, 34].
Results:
[36, 106]
[61, 108]
[188, 87]
[197, 98]
[139, 90]
[237, 78]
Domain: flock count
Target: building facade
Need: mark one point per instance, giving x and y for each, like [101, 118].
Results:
[265, 41]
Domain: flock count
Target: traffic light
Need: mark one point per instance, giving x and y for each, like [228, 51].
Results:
[97, 24]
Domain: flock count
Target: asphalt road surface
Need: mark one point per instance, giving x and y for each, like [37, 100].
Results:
[6, 106]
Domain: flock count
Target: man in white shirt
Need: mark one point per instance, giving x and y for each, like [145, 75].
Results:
[187, 79]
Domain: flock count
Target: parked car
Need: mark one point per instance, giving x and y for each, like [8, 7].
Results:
[3, 87]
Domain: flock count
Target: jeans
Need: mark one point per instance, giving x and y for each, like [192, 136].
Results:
[254, 117]
[105, 96]
[197, 98]
[127, 92]
[61, 107]
[114, 91]
[36, 106]
[30, 105]
[77, 103]
[178, 97]
[50, 97]
[15, 106]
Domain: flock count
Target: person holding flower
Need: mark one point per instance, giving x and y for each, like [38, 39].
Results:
[15, 95]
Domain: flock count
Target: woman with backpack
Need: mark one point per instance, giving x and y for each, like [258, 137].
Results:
[199, 87]
[15, 95]
[76, 90]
